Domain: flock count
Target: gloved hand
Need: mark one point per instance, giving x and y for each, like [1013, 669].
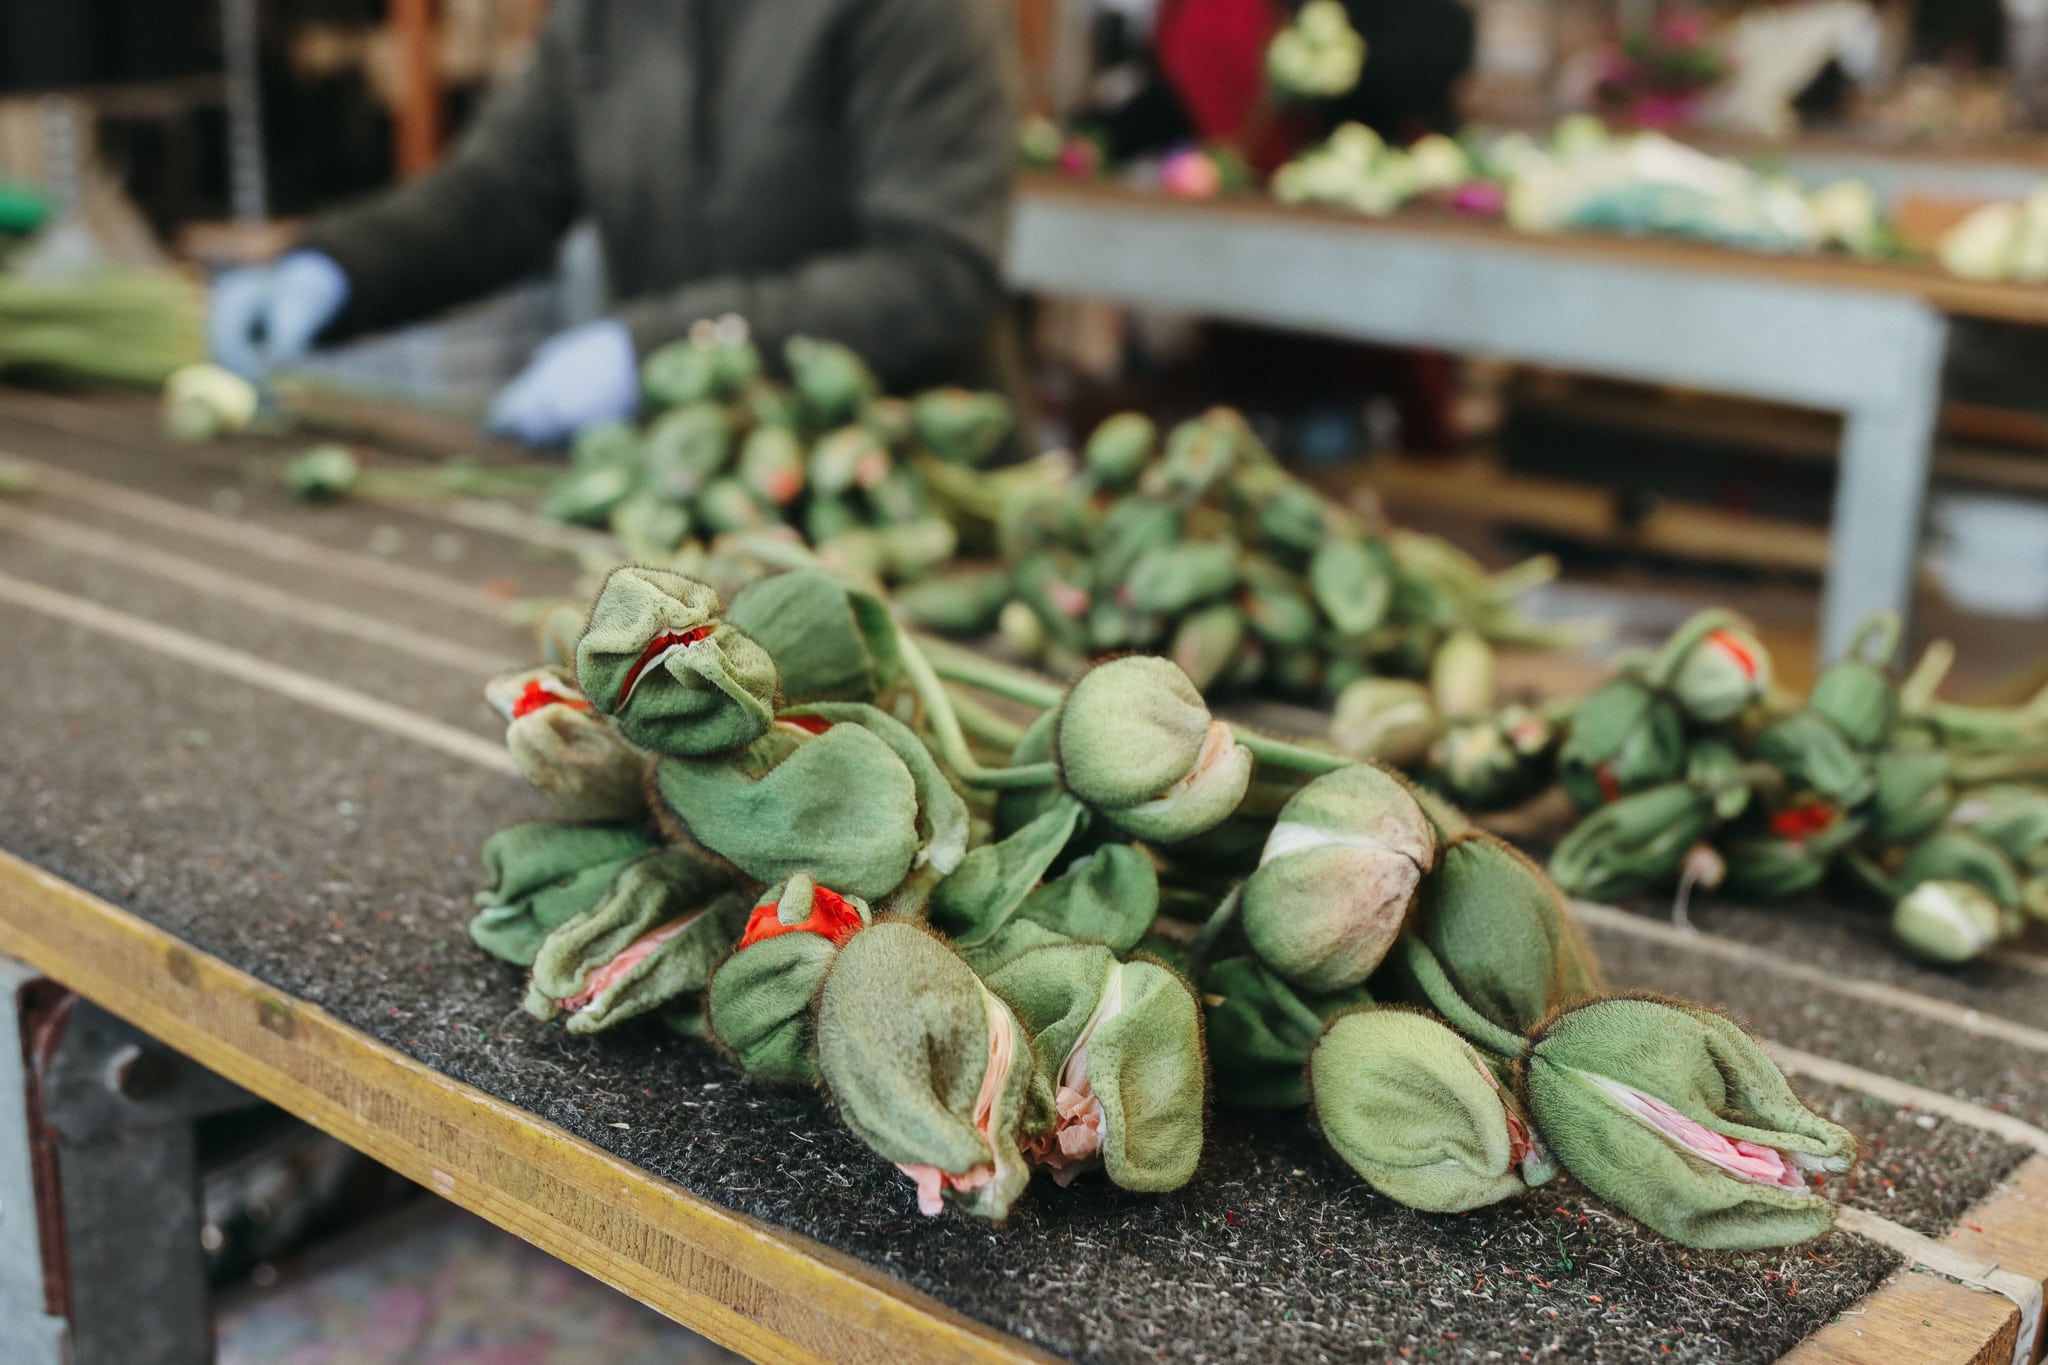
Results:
[263, 317]
[586, 375]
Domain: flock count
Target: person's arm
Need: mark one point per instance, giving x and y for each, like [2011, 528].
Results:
[489, 216]
[932, 128]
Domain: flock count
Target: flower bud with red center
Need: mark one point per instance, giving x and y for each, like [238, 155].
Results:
[758, 1005]
[571, 755]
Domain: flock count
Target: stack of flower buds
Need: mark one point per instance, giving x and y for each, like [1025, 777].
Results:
[1203, 548]
[1316, 57]
[797, 831]
[725, 449]
[1692, 775]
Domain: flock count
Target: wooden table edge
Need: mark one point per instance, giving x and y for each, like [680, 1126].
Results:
[1952, 294]
[763, 1291]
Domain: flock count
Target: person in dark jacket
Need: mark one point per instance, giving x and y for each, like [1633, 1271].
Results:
[836, 168]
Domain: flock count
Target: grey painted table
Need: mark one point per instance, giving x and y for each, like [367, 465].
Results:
[1866, 342]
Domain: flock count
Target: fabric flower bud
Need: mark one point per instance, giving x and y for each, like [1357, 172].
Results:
[1859, 700]
[726, 505]
[1712, 762]
[1792, 854]
[650, 526]
[686, 448]
[1677, 1117]
[1816, 755]
[827, 517]
[539, 876]
[1913, 794]
[1261, 1030]
[832, 381]
[758, 1005]
[1633, 845]
[2007, 814]
[1171, 579]
[1499, 930]
[653, 938]
[1385, 720]
[588, 497]
[1416, 1111]
[670, 674]
[960, 426]
[1198, 453]
[558, 633]
[912, 549]
[1337, 878]
[1119, 448]
[1206, 643]
[1276, 609]
[847, 459]
[772, 465]
[205, 402]
[1715, 668]
[1352, 581]
[1958, 855]
[1135, 742]
[1131, 529]
[1294, 518]
[1120, 1044]
[326, 473]
[572, 757]
[961, 602]
[1948, 922]
[607, 443]
[1623, 738]
[858, 806]
[830, 640]
[1495, 762]
[930, 1068]
[678, 373]
[1461, 677]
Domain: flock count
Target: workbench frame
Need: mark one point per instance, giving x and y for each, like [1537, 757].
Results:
[1646, 312]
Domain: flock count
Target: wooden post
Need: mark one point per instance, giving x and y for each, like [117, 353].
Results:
[418, 115]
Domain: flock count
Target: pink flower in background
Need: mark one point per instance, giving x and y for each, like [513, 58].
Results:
[1191, 174]
[1481, 199]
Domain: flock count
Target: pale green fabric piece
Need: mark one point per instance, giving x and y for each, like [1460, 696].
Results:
[541, 874]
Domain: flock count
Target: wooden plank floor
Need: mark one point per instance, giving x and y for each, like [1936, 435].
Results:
[233, 819]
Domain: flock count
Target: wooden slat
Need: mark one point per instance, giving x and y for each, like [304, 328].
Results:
[1916, 1319]
[763, 1291]
[2010, 1229]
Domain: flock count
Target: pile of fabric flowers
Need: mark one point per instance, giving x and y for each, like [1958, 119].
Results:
[1006, 927]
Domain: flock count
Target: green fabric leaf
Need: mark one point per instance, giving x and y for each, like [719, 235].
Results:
[538, 876]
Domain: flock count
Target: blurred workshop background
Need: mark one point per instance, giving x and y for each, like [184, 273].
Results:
[176, 140]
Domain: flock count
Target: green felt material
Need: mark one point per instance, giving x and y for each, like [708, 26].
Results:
[1623, 738]
[831, 640]
[758, 1005]
[538, 876]
[1276, 609]
[1143, 1059]
[652, 892]
[990, 884]
[710, 697]
[1111, 897]
[942, 821]
[1133, 528]
[1208, 642]
[832, 381]
[903, 1046]
[1633, 845]
[686, 448]
[1352, 581]
[1816, 755]
[1713, 1073]
[1338, 878]
[958, 602]
[2010, 815]
[570, 755]
[1414, 1109]
[1118, 448]
[846, 460]
[1949, 922]
[1771, 867]
[1260, 1032]
[1859, 700]
[1498, 928]
[1913, 794]
[1170, 579]
[1715, 668]
[1959, 855]
[1129, 734]
[840, 806]
[1711, 763]
[959, 425]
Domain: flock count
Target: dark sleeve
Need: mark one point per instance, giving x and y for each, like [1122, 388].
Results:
[492, 214]
[932, 130]
[1415, 52]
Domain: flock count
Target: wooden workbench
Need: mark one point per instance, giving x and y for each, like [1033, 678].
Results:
[246, 775]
